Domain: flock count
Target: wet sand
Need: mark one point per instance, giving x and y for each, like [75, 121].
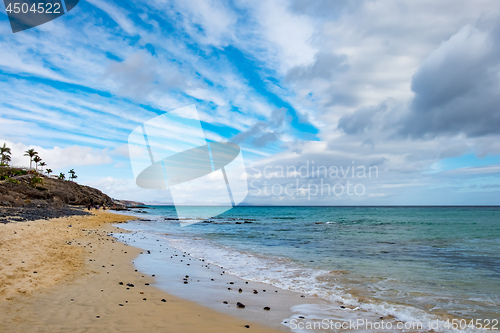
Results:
[193, 279]
[67, 274]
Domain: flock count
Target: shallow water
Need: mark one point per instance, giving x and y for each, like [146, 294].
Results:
[413, 263]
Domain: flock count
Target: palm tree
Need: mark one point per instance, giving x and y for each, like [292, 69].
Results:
[62, 176]
[5, 154]
[31, 153]
[48, 171]
[42, 164]
[37, 159]
[5, 160]
[73, 174]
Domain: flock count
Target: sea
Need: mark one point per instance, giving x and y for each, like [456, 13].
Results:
[410, 263]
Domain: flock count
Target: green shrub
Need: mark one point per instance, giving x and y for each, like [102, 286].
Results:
[6, 172]
[19, 172]
[12, 180]
[36, 180]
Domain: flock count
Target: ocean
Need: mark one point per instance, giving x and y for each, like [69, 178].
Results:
[409, 263]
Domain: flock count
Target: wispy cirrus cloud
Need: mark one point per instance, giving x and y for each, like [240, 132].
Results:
[58, 157]
[117, 14]
[400, 86]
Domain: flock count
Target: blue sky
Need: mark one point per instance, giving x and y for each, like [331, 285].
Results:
[408, 88]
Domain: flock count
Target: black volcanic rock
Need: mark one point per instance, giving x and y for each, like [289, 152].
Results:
[21, 190]
[32, 196]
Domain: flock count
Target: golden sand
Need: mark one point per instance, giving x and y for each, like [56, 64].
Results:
[63, 275]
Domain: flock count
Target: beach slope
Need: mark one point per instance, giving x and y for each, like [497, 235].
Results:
[68, 274]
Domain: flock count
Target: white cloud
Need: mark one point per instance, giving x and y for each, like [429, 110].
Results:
[58, 157]
[338, 63]
[490, 169]
[288, 35]
[216, 20]
[126, 189]
[117, 14]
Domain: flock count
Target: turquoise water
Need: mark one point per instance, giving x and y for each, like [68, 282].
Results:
[416, 260]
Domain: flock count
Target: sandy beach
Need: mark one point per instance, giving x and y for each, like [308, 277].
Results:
[67, 274]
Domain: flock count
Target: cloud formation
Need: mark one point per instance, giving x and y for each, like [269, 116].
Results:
[403, 86]
[57, 157]
[263, 133]
[456, 87]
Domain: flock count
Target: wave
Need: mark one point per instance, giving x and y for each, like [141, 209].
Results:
[289, 275]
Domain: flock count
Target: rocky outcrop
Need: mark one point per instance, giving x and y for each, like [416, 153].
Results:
[32, 189]
[129, 204]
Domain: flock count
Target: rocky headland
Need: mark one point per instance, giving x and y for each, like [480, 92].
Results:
[27, 195]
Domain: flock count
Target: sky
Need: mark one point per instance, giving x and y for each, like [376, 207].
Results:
[332, 102]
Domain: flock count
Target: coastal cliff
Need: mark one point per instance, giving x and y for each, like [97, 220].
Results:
[36, 189]
[30, 195]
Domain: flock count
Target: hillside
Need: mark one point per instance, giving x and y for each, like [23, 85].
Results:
[29, 195]
[21, 189]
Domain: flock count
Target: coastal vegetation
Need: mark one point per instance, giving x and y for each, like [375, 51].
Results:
[31, 193]
[7, 171]
[30, 185]
[4, 155]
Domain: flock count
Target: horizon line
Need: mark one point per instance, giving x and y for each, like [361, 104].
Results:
[371, 206]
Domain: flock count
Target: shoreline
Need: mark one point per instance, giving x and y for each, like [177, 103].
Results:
[180, 274]
[192, 278]
[209, 283]
[64, 274]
